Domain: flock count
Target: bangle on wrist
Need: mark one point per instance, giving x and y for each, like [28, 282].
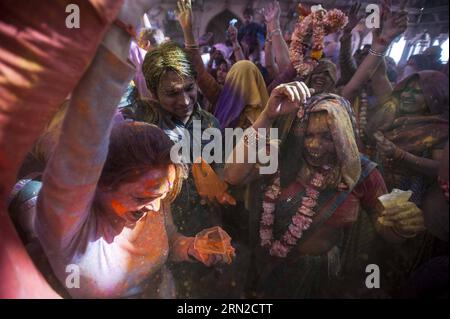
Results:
[275, 32]
[376, 53]
[251, 138]
[191, 46]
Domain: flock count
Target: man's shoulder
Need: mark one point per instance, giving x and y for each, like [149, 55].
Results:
[208, 119]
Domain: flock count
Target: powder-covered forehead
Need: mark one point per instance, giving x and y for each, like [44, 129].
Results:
[318, 116]
[172, 79]
[168, 56]
[337, 105]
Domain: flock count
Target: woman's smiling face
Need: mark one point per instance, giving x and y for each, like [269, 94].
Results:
[412, 100]
[133, 200]
[319, 146]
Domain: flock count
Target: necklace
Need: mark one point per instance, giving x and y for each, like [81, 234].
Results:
[362, 116]
[300, 222]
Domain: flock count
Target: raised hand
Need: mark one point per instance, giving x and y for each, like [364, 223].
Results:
[184, 14]
[384, 146]
[233, 33]
[130, 14]
[287, 98]
[132, 10]
[272, 12]
[353, 17]
[393, 23]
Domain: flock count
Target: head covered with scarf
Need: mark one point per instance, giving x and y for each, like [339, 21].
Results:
[244, 91]
[418, 132]
[341, 123]
[434, 85]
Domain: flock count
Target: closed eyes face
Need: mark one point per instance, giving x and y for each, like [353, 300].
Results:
[177, 95]
[412, 100]
[131, 201]
[319, 146]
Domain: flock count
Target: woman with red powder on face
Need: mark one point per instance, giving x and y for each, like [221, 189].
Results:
[103, 207]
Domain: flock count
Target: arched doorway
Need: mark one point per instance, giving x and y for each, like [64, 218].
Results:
[218, 25]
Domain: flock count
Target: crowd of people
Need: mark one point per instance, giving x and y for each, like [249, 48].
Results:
[101, 188]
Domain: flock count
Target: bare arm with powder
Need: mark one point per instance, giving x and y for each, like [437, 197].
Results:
[72, 173]
[206, 82]
[279, 45]
[284, 99]
[393, 25]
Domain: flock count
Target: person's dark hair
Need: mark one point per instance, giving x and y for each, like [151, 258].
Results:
[169, 56]
[135, 148]
[221, 61]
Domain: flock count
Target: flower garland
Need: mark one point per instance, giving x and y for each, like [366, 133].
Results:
[300, 222]
[318, 23]
[362, 116]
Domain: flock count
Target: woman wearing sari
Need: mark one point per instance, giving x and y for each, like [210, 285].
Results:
[301, 216]
[410, 130]
[242, 98]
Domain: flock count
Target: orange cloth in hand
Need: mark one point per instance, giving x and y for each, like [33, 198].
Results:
[209, 185]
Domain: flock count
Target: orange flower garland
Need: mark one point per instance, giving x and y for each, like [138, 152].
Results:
[316, 25]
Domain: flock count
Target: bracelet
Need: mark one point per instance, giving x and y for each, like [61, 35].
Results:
[375, 53]
[191, 46]
[238, 48]
[275, 32]
[251, 137]
[128, 28]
